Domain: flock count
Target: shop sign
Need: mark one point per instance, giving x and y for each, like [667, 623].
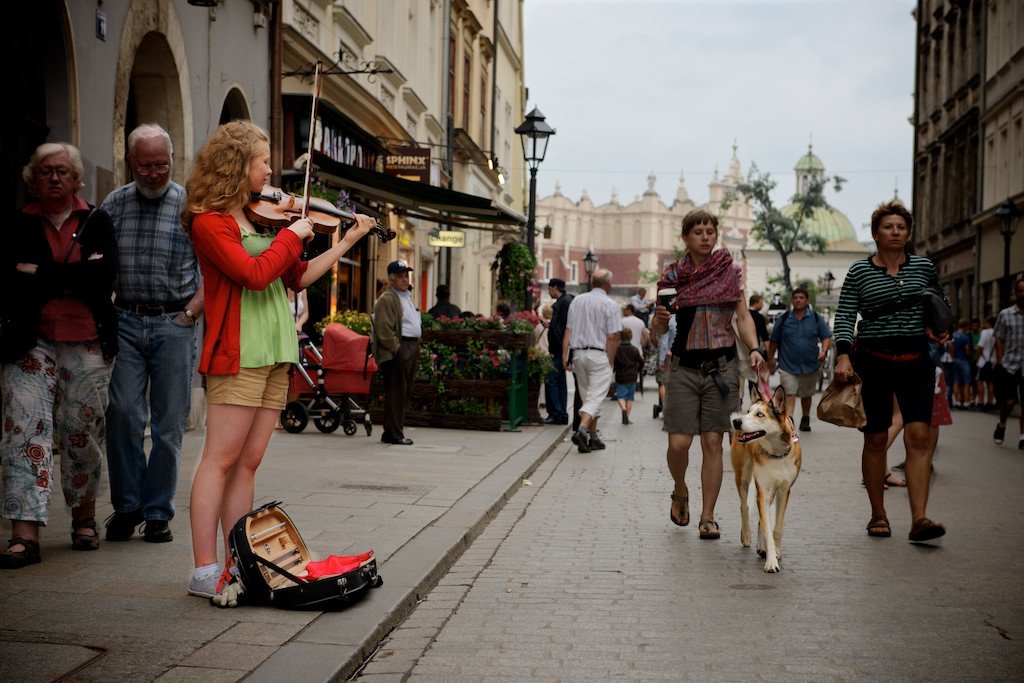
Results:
[408, 163]
[448, 238]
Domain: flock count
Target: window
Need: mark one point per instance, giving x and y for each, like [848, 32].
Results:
[547, 269]
[452, 54]
[483, 107]
[574, 272]
[467, 69]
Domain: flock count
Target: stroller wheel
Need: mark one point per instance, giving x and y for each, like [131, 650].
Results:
[329, 422]
[294, 417]
[350, 427]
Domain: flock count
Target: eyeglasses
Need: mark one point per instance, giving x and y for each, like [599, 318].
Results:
[146, 170]
[46, 172]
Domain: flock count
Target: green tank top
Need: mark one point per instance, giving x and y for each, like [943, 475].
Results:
[267, 329]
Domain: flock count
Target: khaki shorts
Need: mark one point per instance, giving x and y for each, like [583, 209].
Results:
[693, 402]
[265, 387]
[799, 385]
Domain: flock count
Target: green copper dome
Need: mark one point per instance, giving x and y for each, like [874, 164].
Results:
[809, 162]
[828, 223]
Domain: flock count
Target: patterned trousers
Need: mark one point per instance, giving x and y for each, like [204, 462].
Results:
[54, 400]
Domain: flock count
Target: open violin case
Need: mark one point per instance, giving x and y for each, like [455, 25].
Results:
[276, 569]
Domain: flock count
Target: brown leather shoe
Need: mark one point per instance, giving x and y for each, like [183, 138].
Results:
[925, 529]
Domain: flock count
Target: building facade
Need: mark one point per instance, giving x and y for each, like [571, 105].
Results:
[968, 144]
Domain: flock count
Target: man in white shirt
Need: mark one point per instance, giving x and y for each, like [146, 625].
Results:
[641, 335]
[641, 306]
[984, 388]
[592, 337]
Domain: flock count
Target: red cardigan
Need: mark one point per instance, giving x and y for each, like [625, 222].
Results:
[228, 268]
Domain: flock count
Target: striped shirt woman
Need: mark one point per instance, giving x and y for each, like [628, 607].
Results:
[891, 358]
[869, 287]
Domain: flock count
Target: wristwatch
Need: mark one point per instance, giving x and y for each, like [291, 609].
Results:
[761, 350]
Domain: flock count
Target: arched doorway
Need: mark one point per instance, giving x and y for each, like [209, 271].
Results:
[154, 95]
[235, 108]
[41, 109]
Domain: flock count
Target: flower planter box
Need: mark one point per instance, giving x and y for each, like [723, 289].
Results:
[459, 338]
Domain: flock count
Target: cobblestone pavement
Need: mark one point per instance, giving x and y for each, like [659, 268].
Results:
[582, 576]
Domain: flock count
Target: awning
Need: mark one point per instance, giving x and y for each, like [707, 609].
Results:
[419, 200]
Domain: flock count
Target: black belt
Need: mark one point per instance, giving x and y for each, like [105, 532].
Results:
[588, 348]
[711, 367]
[415, 339]
[153, 309]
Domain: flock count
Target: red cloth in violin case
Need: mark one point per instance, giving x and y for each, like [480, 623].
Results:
[275, 567]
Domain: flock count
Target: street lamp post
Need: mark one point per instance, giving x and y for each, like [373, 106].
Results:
[1009, 215]
[590, 265]
[534, 133]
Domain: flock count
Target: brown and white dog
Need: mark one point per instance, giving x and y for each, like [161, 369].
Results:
[765, 446]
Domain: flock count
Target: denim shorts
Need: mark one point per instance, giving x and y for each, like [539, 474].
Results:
[962, 371]
[625, 392]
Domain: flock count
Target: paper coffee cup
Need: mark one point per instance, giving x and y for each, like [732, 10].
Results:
[667, 297]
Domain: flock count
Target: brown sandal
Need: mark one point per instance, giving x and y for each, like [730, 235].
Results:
[925, 529]
[684, 510]
[879, 527]
[84, 541]
[16, 559]
[707, 532]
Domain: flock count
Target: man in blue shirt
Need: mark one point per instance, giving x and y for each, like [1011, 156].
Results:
[796, 335]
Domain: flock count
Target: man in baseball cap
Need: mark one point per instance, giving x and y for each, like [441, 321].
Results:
[396, 345]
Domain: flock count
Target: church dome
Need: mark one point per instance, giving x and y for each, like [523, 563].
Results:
[829, 224]
[809, 162]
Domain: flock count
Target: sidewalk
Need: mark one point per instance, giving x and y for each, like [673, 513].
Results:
[122, 613]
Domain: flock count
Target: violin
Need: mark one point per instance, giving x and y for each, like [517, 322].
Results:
[275, 209]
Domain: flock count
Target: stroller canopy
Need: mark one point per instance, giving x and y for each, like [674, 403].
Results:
[344, 349]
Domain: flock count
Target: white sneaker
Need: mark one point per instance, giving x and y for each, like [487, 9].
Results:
[205, 587]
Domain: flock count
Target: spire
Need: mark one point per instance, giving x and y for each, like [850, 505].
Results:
[682, 196]
[558, 189]
[651, 179]
[734, 164]
[615, 196]
[896, 189]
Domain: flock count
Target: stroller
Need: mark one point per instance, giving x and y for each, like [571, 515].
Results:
[325, 383]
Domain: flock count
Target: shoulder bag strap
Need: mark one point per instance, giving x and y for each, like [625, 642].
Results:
[77, 235]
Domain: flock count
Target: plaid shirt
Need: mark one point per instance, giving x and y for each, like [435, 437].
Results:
[157, 263]
[1010, 330]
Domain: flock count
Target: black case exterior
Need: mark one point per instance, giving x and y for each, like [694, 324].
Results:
[331, 592]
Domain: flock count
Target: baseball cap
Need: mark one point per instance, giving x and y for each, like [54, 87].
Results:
[396, 267]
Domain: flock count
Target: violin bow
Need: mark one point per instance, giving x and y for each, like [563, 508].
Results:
[312, 132]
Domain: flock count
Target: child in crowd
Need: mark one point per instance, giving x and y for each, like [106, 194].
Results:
[627, 368]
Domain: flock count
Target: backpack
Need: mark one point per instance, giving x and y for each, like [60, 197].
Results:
[270, 554]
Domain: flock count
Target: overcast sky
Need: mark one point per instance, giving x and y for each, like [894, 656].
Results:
[635, 86]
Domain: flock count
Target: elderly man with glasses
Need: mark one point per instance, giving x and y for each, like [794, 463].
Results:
[159, 298]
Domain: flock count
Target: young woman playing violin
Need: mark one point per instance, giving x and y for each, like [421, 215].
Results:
[249, 343]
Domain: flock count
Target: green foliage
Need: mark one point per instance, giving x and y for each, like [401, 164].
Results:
[353, 320]
[647, 277]
[516, 268]
[786, 234]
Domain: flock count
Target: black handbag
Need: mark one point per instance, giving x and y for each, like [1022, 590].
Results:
[937, 315]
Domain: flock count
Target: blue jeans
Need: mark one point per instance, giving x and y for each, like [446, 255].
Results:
[158, 355]
[556, 392]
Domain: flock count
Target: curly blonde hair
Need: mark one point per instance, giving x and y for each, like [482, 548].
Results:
[219, 178]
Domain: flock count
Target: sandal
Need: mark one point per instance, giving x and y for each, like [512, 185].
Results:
[893, 480]
[879, 527]
[925, 529]
[684, 510]
[16, 559]
[84, 541]
[706, 530]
